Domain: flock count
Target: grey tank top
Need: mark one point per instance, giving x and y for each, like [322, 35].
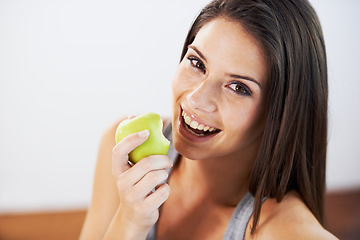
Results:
[241, 216]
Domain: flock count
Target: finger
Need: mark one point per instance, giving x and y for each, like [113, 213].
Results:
[148, 183]
[146, 165]
[121, 151]
[158, 197]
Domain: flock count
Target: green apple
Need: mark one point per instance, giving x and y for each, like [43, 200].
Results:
[155, 144]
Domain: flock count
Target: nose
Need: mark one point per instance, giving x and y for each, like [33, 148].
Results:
[203, 97]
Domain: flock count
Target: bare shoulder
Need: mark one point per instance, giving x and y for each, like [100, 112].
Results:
[290, 218]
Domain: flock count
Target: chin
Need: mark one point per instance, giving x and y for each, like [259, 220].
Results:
[186, 148]
[187, 151]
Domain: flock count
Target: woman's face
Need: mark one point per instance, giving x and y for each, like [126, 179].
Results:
[218, 94]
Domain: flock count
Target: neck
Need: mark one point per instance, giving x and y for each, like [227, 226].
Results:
[214, 181]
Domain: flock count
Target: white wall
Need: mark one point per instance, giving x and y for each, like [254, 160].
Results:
[69, 68]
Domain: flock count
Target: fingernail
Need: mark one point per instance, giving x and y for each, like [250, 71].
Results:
[144, 134]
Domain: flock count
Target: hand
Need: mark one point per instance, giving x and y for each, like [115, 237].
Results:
[140, 187]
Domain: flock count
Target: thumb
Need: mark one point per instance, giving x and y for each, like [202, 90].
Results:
[120, 153]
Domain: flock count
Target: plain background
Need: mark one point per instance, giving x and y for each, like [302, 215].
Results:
[70, 68]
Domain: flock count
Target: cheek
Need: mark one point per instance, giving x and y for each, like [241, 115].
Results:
[256, 123]
[176, 81]
[249, 122]
[182, 81]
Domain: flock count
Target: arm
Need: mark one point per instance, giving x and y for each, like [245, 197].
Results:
[123, 205]
[105, 199]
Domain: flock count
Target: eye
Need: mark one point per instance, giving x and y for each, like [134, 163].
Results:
[240, 88]
[197, 63]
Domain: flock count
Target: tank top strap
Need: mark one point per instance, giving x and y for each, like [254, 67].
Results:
[240, 218]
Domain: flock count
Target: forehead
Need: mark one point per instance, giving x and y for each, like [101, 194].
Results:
[232, 47]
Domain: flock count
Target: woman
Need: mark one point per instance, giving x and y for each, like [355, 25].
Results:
[249, 125]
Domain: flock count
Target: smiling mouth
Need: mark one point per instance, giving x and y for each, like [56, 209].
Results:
[196, 128]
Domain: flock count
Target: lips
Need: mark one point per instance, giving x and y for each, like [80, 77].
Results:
[194, 129]
[195, 125]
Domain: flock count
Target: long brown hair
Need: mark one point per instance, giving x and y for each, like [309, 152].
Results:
[292, 155]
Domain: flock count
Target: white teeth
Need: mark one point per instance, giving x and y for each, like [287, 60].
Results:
[195, 125]
[187, 120]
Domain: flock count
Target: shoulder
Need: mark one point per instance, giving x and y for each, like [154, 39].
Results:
[108, 136]
[289, 218]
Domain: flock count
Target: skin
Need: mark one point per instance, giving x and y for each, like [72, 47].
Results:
[199, 206]
[207, 93]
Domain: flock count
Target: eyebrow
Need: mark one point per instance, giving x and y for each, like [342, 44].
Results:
[246, 78]
[231, 75]
[197, 51]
